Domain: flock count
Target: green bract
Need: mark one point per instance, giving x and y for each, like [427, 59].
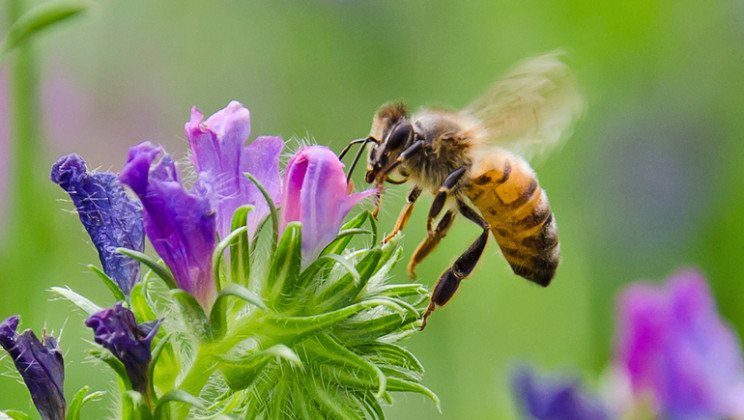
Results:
[279, 342]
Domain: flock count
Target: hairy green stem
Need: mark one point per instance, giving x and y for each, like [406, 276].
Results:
[202, 368]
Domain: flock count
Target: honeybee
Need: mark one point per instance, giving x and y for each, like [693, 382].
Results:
[474, 158]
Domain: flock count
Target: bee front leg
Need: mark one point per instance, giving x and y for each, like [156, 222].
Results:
[405, 215]
[450, 280]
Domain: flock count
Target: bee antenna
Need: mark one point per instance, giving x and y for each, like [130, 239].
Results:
[364, 142]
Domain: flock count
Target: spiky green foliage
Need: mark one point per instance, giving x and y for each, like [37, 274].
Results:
[280, 341]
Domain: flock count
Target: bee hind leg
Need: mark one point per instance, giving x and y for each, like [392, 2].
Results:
[450, 280]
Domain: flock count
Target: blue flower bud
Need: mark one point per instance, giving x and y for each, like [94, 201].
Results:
[40, 364]
[111, 218]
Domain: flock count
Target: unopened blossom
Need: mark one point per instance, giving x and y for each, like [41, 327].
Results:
[673, 346]
[555, 399]
[315, 192]
[117, 330]
[41, 366]
[179, 223]
[111, 218]
[219, 154]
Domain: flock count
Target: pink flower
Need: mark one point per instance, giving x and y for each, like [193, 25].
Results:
[315, 193]
[222, 159]
[673, 345]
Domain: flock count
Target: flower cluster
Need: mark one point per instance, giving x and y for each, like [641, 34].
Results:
[258, 304]
[680, 361]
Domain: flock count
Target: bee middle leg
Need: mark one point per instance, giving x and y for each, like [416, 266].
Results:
[405, 215]
[435, 236]
[450, 280]
[430, 242]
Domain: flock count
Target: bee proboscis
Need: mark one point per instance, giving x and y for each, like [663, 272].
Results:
[474, 158]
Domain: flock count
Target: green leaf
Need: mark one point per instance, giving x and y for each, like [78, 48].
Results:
[240, 252]
[81, 398]
[391, 354]
[193, 315]
[177, 395]
[38, 19]
[241, 372]
[140, 307]
[16, 415]
[115, 364]
[109, 282]
[272, 211]
[347, 289]
[373, 406]
[328, 349]
[367, 330]
[219, 251]
[401, 290]
[134, 407]
[296, 327]
[334, 404]
[157, 268]
[219, 310]
[326, 262]
[349, 229]
[400, 385]
[286, 263]
[81, 302]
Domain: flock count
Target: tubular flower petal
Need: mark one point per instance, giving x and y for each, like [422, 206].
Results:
[40, 364]
[116, 329]
[555, 400]
[673, 345]
[315, 192]
[220, 156]
[111, 218]
[180, 224]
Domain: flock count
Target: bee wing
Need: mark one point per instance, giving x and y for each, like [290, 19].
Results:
[532, 109]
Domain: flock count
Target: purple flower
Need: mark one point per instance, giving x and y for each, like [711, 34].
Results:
[180, 224]
[116, 329]
[315, 193]
[219, 154]
[672, 344]
[555, 399]
[110, 217]
[40, 364]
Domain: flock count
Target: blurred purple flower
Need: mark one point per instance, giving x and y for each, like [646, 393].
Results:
[180, 224]
[315, 193]
[41, 366]
[672, 344]
[541, 399]
[116, 329]
[219, 153]
[110, 217]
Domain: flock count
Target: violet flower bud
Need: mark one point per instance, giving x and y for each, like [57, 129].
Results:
[41, 366]
[543, 399]
[110, 217]
[315, 192]
[180, 224]
[220, 156]
[672, 345]
[117, 330]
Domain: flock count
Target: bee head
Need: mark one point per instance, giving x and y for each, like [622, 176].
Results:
[394, 133]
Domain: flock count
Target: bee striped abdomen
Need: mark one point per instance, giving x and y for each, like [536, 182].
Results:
[505, 190]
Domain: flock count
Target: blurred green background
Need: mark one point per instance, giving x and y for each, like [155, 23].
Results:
[651, 181]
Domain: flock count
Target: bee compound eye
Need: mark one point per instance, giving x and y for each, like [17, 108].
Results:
[400, 135]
